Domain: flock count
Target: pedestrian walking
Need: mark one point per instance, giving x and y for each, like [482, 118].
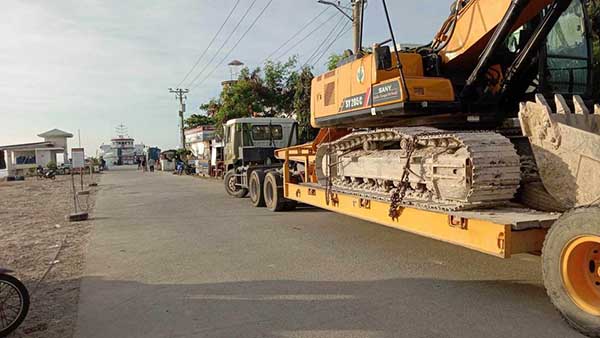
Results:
[151, 163]
[144, 167]
[179, 167]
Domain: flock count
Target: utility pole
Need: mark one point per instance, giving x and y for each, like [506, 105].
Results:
[180, 95]
[358, 9]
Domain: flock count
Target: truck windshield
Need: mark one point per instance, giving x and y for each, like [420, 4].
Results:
[267, 132]
[246, 134]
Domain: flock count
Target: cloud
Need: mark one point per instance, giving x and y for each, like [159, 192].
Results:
[91, 65]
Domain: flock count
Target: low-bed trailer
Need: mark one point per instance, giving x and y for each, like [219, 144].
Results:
[499, 232]
[566, 150]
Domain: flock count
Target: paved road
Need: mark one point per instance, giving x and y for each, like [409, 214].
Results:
[175, 257]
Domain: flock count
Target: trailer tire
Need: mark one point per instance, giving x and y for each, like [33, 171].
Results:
[256, 188]
[273, 192]
[571, 268]
[231, 187]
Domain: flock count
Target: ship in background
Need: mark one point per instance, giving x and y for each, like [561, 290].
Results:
[122, 150]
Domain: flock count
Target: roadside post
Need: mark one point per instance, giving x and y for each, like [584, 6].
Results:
[78, 156]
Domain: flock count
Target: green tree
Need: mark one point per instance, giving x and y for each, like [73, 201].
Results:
[211, 107]
[302, 104]
[196, 120]
[268, 92]
[242, 98]
[333, 61]
[279, 81]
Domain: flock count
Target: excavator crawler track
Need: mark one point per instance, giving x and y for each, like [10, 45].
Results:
[449, 171]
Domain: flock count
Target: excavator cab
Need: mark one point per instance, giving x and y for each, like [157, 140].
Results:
[568, 53]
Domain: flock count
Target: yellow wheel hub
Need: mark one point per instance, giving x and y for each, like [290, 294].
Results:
[580, 269]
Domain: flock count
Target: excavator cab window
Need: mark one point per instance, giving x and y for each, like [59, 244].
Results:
[383, 57]
[568, 54]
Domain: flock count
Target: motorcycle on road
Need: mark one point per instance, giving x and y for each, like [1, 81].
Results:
[46, 174]
[14, 302]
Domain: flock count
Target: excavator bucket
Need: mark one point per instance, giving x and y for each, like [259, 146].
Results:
[566, 147]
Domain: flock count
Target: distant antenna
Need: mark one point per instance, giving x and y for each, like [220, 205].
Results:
[121, 130]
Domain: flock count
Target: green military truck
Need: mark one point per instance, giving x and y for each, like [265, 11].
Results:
[249, 154]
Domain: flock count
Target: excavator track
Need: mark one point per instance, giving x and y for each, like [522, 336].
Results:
[449, 171]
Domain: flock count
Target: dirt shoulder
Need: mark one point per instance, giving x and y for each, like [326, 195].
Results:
[35, 238]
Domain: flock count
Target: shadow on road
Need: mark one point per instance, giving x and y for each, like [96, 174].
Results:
[278, 308]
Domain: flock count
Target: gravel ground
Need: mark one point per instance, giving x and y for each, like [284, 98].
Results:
[35, 240]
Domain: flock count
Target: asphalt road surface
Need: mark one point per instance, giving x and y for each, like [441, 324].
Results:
[176, 257]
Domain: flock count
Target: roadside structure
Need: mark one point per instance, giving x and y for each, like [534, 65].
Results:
[20, 158]
[217, 165]
[198, 141]
[167, 160]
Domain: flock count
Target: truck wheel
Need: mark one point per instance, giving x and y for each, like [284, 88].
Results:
[571, 268]
[255, 186]
[273, 192]
[231, 185]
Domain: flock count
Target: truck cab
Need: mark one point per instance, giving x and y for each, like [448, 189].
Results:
[250, 145]
[254, 140]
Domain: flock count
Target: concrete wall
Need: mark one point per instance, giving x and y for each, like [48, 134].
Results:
[59, 142]
[43, 157]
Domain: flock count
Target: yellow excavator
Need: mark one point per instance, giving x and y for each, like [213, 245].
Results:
[488, 58]
[484, 138]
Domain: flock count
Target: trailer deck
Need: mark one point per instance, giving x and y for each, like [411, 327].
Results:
[500, 232]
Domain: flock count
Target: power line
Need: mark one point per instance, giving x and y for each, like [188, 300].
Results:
[305, 37]
[237, 43]
[296, 34]
[210, 43]
[222, 45]
[344, 30]
[322, 44]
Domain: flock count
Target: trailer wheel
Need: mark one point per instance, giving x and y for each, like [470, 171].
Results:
[255, 186]
[273, 192]
[571, 268]
[231, 185]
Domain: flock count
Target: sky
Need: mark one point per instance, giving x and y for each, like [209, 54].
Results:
[87, 66]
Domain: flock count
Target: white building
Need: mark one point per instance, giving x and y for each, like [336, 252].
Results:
[21, 158]
[197, 140]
